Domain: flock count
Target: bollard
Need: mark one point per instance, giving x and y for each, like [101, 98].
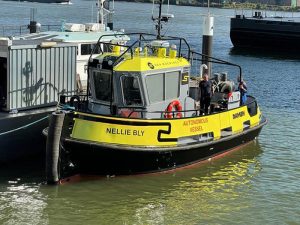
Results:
[208, 31]
[53, 147]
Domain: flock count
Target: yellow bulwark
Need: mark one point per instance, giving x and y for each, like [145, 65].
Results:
[158, 132]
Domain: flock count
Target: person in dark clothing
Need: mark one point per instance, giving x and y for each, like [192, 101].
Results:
[206, 91]
[243, 90]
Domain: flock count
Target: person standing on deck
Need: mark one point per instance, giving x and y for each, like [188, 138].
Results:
[243, 90]
[206, 91]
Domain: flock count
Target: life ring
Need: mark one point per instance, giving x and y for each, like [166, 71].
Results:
[230, 97]
[174, 104]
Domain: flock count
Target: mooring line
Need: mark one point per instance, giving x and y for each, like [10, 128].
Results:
[25, 126]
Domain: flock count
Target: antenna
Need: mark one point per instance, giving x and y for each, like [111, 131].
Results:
[159, 26]
[161, 18]
[208, 6]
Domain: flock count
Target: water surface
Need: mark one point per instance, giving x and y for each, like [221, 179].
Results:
[257, 185]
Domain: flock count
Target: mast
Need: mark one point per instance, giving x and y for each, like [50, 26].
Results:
[162, 17]
[159, 26]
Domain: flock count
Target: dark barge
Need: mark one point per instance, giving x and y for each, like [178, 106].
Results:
[32, 76]
[258, 31]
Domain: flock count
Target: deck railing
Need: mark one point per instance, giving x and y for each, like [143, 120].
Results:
[13, 30]
[80, 103]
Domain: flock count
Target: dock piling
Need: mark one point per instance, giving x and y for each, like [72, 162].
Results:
[207, 38]
[53, 147]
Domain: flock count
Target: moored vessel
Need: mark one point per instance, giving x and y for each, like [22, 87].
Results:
[277, 33]
[29, 90]
[141, 112]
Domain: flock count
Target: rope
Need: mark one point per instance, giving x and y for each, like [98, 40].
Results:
[22, 127]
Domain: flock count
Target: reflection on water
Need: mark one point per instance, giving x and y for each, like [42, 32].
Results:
[206, 193]
[22, 204]
[251, 186]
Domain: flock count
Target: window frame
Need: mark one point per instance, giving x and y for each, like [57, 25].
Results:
[140, 89]
[90, 44]
[109, 72]
[164, 84]
[178, 83]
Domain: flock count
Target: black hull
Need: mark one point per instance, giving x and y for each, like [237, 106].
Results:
[94, 159]
[265, 34]
[21, 135]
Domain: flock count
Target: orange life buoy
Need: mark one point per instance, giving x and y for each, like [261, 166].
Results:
[178, 107]
[230, 96]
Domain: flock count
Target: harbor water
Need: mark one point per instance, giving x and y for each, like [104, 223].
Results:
[258, 184]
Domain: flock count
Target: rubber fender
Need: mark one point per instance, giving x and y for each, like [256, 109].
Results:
[53, 147]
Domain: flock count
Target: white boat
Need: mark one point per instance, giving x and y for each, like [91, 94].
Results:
[85, 36]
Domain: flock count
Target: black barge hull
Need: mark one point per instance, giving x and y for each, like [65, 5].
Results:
[99, 159]
[21, 134]
[265, 34]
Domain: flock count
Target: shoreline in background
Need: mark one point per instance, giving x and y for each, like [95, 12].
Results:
[233, 5]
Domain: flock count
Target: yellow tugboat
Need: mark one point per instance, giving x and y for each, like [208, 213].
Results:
[141, 113]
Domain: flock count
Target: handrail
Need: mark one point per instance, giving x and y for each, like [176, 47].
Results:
[140, 39]
[218, 61]
[9, 30]
[142, 111]
[178, 111]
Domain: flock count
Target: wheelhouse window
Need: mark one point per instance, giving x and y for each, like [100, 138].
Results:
[131, 91]
[155, 87]
[163, 86]
[86, 49]
[102, 85]
[172, 85]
